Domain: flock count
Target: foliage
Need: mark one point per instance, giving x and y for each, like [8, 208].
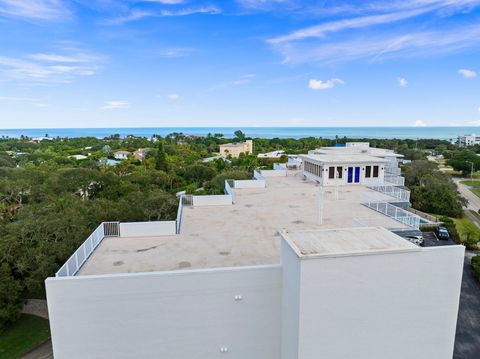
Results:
[463, 160]
[432, 191]
[476, 266]
[217, 184]
[468, 232]
[451, 227]
[22, 336]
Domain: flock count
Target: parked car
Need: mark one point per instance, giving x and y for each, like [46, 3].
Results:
[418, 240]
[442, 233]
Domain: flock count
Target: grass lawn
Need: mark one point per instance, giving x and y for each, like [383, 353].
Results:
[474, 183]
[465, 225]
[23, 335]
[475, 213]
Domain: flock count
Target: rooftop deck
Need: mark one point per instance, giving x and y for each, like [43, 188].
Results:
[245, 233]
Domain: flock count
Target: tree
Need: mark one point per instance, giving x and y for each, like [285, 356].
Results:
[240, 136]
[431, 190]
[199, 173]
[10, 296]
[463, 160]
[161, 158]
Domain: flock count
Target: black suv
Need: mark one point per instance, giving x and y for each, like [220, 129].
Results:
[442, 233]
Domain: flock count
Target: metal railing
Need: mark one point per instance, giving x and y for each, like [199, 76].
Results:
[279, 166]
[393, 191]
[393, 169]
[395, 180]
[179, 215]
[396, 213]
[229, 185]
[187, 200]
[257, 175]
[80, 256]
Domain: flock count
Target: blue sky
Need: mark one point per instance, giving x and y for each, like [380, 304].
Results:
[169, 63]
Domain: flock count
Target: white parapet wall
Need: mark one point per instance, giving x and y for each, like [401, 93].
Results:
[274, 173]
[148, 229]
[250, 183]
[176, 315]
[396, 306]
[213, 200]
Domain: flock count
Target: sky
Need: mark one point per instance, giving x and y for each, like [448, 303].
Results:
[196, 63]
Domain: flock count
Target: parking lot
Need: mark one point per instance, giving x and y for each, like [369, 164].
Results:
[467, 340]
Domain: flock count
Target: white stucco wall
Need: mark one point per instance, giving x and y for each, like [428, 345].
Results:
[250, 183]
[274, 173]
[393, 306]
[212, 200]
[174, 315]
[144, 229]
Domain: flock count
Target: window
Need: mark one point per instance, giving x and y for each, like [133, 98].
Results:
[339, 172]
[331, 172]
[368, 171]
[375, 171]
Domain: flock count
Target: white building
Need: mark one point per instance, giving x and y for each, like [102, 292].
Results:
[235, 149]
[121, 155]
[272, 154]
[277, 267]
[468, 140]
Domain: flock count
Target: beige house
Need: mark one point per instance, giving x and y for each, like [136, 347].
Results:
[234, 149]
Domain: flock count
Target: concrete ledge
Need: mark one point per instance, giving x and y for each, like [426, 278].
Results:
[141, 229]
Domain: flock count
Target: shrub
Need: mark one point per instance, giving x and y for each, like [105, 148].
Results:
[476, 266]
[452, 229]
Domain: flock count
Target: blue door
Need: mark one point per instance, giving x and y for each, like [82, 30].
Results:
[357, 174]
[350, 175]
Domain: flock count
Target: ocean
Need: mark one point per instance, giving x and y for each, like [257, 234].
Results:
[444, 133]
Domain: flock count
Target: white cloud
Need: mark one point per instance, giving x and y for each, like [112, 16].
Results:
[243, 80]
[262, 5]
[173, 96]
[166, 2]
[176, 52]
[402, 81]
[384, 44]
[45, 10]
[369, 34]
[115, 105]
[136, 14]
[468, 74]
[50, 68]
[419, 123]
[324, 85]
[29, 100]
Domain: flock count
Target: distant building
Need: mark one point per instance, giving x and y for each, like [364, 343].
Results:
[121, 155]
[140, 153]
[468, 140]
[273, 154]
[234, 149]
[108, 162]
[78, 157]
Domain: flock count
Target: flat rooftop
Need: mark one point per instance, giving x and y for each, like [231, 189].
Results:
[245, 233]
[342, 158]
[346, 242]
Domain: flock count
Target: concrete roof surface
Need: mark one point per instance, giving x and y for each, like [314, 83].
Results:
[245, 233]
[346, 241]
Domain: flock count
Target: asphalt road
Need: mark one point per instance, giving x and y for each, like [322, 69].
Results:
[467, 340]
[473, 200]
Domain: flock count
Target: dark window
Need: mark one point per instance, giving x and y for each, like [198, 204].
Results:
[339, 172]
[375, 171]
[368, 171]
[331, 172]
